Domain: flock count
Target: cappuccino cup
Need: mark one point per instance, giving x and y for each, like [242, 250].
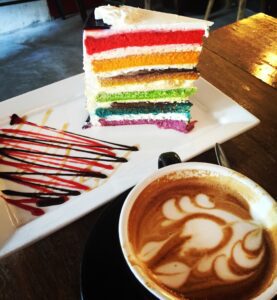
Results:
[201, 231]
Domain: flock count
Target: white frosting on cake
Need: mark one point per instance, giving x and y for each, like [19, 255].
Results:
[129, 19]
[133, 18]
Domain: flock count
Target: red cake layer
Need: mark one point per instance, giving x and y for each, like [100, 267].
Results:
[142, 38]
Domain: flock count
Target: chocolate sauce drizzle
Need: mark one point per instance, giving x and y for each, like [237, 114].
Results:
[34, 160]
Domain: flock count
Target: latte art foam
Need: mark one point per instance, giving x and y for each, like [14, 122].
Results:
[195, 239]
[218, 235]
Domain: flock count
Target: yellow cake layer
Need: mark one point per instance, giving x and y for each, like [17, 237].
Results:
[169, 58]
[146, 78]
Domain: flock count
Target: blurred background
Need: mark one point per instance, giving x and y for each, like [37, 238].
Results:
[41, 40]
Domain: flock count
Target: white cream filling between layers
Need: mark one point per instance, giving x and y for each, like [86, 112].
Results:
[171, 28]
[122, 52]
[132, 117]
[144, 68]
[93, 87]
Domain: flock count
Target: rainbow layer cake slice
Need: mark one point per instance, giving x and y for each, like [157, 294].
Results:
[140, 66]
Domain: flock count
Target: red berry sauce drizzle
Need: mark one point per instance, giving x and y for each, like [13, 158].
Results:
[34, 160]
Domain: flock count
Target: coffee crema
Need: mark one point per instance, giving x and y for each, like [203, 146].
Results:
[196, 239]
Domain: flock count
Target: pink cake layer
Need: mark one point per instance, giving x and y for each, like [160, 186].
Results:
[165, 124]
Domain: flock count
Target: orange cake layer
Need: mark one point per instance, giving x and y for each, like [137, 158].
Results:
[169, 58]
[146, 78]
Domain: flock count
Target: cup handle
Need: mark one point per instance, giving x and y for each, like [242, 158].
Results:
[168, 158]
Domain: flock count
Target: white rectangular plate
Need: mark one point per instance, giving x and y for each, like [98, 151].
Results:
[219, 119]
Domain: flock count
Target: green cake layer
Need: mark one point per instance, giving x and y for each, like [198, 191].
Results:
[151, 108]
[153, 95]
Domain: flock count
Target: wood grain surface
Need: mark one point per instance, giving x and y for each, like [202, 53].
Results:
[250, 45]
[50, 268]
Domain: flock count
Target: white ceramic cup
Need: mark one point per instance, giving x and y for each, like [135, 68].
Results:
[262, 208]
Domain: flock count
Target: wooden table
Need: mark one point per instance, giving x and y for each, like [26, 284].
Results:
[239, 60]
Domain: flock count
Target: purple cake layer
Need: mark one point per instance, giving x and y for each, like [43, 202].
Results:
[165, 124]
